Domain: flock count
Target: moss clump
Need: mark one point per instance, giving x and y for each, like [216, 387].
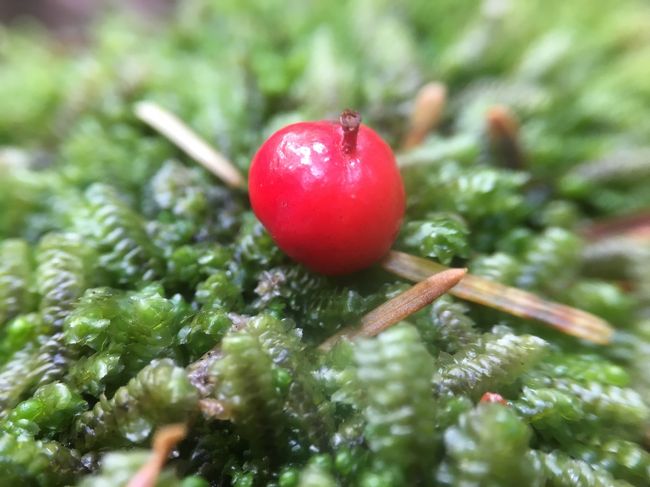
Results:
[137, 290]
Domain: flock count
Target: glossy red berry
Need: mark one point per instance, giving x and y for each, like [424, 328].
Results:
[329, 193]
[494, 397]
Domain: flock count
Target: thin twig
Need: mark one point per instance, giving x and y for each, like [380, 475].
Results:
[165, 439]
[628, 165]
[190, 142]
[510, 300]
[632, 226]
[427, 111]
[400, 307]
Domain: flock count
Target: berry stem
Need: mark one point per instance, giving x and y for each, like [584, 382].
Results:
[350, 121]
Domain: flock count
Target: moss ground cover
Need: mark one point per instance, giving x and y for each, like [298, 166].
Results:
[137, 290]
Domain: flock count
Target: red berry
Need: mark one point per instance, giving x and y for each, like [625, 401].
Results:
[494, 398]
[330, 194]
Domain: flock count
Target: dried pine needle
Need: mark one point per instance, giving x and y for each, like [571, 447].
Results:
[623, 165]
[396, 309]
[165, 439]
[505, 298]
[632, 226]
[190, 142]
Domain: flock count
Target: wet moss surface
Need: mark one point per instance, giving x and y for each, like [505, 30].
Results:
[137, 290]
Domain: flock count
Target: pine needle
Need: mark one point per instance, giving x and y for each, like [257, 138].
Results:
[190, 142]
[631, 226]
[405, 304]
[165, 439]
[628, 165]
[508, 299]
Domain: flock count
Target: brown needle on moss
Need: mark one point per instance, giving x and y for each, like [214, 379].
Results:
[427, 111]
[635, 226]
[511, 300]
[400, 307]
[190, 142]
[165, 439]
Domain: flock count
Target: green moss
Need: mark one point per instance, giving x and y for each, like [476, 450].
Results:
[25, 461]
[394, 372]
[139, 326]
[490, 364]
[64, 272]
[245, 385]
[453, 329]
[136, 289]
[16, 294]
[38, 363]
[160, 394]
[440, 236]
[119, 236]
[51, 409]
[489, 446]
[563, 471]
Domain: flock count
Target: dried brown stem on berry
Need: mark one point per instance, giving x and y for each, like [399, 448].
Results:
[350, 121]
